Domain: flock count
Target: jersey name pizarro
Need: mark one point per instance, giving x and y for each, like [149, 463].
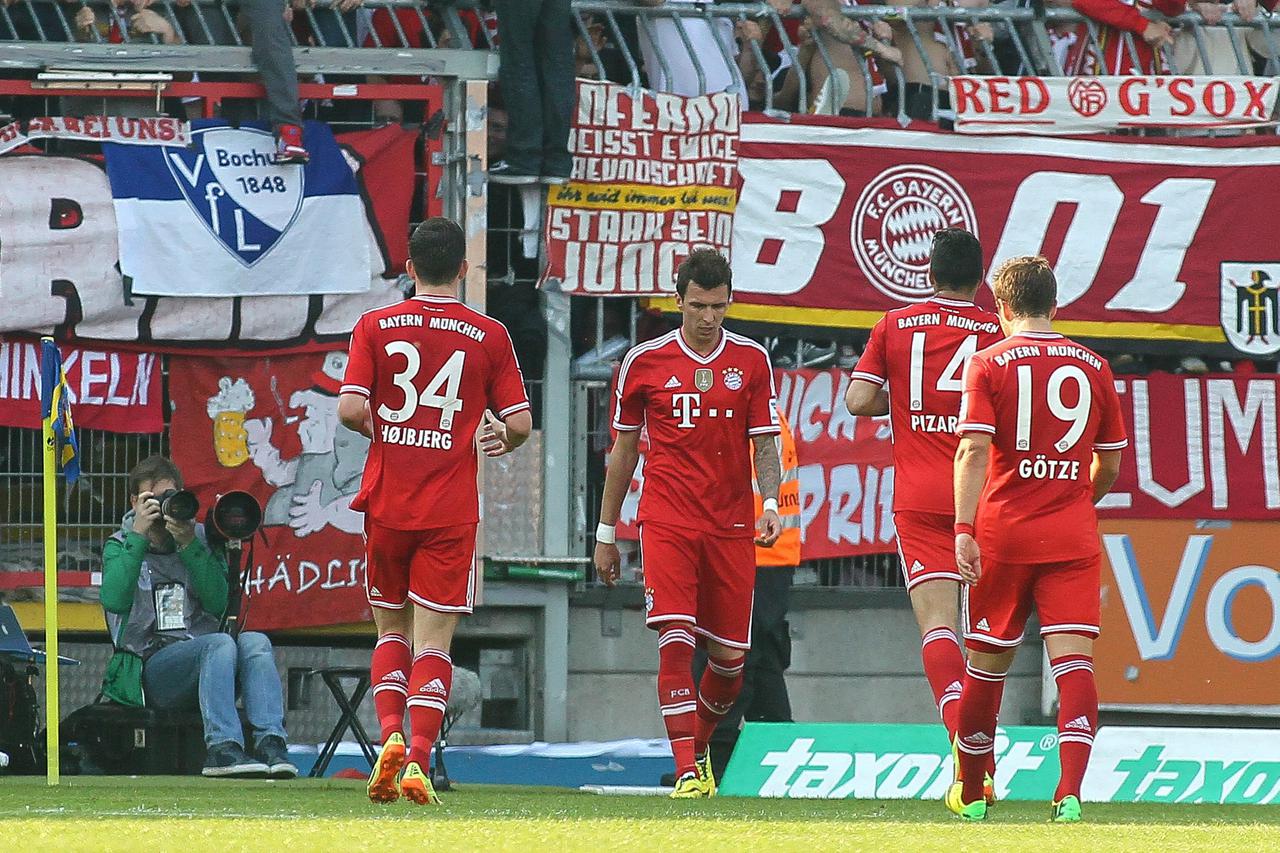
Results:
[430, 366]
[1048, 404]
[918, 354]
[701, 413]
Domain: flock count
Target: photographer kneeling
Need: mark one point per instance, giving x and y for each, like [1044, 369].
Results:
[165, 593]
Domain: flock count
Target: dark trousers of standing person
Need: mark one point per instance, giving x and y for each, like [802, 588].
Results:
[273, 56]
[536, 77]
[764, 689]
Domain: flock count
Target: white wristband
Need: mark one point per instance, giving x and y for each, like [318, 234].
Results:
[770, 504]
[605, 534]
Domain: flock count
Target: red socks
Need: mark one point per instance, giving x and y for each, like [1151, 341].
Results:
[976, 726]
[944, 668]
[389, 672]
[428, 697]
[675, 691]
[721, 681]
[1077, 719]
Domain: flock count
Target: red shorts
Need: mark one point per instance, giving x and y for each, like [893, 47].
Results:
[435, 568]
[708, 581]
[926, 546]
[1066, 596]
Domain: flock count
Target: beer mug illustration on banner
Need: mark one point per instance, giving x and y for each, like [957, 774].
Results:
[227, 409]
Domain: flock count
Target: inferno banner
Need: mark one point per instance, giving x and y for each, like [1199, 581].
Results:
[834, 222]
[269, 426]
[654, 177]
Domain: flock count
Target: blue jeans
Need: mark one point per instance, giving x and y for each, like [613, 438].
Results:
[207, 672]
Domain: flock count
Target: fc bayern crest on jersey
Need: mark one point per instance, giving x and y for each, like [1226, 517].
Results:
[732, 378]
[894, 221]
[229, 178]
[703, 379]
[1250, 306]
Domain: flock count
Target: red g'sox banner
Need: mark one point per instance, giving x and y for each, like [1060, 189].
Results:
[1100, 104]
[834, 222]
[655, 176]
[1190, 616]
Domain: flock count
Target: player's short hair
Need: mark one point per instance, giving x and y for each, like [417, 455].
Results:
[706, 268]
[152, 470]
[1027, 285]
[437, 248]
[956, 260]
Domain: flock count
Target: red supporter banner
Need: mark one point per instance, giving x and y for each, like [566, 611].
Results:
[655, 176]
[846, 470]
[112, 391]
[1201, 447]
[269, 426]
[834, 221]
[1048, 105]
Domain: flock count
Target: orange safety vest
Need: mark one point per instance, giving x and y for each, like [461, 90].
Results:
[786, 551]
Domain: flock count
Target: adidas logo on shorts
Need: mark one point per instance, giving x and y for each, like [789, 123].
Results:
[983, 626]
[917, 566]
[435, 686]
[1080, 722]
[672, 383]
[373, 590]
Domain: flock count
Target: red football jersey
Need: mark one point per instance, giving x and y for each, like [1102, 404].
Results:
[1049, 403]
[918, 353]
[430, 366]
[1110, 53]
[701, 412]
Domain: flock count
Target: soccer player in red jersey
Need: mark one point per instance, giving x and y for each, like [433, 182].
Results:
[422, 377]
[1041, 433]
[917, 355]
[706, 397]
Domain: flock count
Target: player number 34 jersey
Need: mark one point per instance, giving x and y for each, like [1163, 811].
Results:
[1048, 404]
[430, 366]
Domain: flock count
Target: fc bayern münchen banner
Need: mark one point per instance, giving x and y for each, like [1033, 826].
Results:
[220, 218]
[60, 270]
[1047, 105]
[1147, 236]
[655, 177]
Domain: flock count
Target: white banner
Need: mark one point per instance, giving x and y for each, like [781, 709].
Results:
[1051, 105]
[220, 218]
[1180, 765]
[119, 129]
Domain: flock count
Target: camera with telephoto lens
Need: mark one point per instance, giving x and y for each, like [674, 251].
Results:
[179, 504]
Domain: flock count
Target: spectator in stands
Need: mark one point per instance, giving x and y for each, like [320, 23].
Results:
[757, 79]
[99, 24]
[535, 44]
[1219, 54]
[949, 49]
[854, 78]
[1123, 33]
[165, 592]
[615, 64]
[338, 24]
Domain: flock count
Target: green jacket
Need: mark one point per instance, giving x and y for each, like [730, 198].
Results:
[132, 573]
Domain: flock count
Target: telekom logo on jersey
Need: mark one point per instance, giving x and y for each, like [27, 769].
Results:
[688, 406]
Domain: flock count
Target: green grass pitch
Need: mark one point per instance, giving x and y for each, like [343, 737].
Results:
[193, 815]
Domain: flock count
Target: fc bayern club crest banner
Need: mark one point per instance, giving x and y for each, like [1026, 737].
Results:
[655, 177]
[1100, 104]
[220, 218]
[834, 222]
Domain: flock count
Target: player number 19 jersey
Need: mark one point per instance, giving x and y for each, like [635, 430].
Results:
[1048, 404]
[429, 366]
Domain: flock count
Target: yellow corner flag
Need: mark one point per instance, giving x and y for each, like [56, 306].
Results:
[60, 450]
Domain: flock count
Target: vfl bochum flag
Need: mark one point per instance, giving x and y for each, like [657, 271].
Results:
[220, 218]
[55, 408]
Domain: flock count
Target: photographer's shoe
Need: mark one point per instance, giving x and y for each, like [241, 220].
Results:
[273, 753]
[228, 761]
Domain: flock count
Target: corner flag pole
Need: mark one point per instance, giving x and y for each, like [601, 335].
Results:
[51, 601]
